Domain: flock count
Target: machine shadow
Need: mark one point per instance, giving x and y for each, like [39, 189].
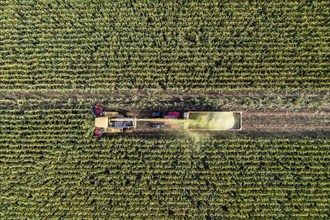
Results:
[227, 134]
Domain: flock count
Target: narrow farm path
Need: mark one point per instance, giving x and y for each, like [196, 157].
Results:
[286, 121]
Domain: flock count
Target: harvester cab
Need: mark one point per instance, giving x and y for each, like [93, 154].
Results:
[111, 122]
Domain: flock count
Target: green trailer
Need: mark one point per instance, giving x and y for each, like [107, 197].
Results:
[215, 121]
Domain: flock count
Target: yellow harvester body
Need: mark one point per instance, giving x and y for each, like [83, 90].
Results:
[113, 122]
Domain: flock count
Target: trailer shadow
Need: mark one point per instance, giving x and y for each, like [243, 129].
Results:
[229, 134]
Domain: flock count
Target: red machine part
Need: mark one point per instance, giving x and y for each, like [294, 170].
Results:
[176, 114]
[98, 110]
[98, 132]
[172, 115]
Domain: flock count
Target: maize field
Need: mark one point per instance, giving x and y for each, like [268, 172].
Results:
[51, 167]
[267, 59]
[215, 45]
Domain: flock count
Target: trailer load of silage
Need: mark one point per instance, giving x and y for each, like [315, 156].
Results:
[212, 121]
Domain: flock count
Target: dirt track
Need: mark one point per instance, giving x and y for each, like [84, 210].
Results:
[308, 113]
[286, 121]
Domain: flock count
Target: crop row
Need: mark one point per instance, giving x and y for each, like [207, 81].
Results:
[142, 83]
[90, 176]
[49, 161]
[109, 46]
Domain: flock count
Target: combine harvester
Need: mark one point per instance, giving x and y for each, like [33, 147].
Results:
[113, 122]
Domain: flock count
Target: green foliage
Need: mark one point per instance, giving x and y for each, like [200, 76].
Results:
[51, 168]
[105, 45]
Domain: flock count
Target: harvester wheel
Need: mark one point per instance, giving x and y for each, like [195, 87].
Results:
[98, 110]
[98, 132]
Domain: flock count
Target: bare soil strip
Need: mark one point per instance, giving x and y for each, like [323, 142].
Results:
[282, 121]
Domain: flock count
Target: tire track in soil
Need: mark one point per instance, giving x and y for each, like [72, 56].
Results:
[284, 121]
